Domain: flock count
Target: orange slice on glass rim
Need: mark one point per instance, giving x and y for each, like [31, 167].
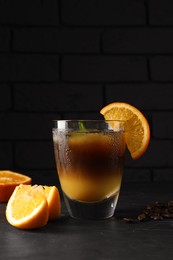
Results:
[8, 181]
[137, 130]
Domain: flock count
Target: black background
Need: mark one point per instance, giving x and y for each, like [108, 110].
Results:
[67, 59]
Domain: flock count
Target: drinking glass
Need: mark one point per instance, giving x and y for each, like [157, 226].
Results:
[89, 157]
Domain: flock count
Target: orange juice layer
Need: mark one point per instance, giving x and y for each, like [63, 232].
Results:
[78, 187]
[90, 164]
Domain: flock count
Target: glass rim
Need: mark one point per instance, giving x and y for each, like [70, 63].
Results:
[88, 120]
[87, 124]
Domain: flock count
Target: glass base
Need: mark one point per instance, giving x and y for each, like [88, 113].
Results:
[95, 211]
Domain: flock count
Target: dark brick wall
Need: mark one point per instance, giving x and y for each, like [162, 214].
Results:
[66, 59]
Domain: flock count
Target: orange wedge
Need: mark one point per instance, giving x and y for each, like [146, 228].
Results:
[32, 206]
[27, 208]
[137, 130]
[53, 198]
[8, 181]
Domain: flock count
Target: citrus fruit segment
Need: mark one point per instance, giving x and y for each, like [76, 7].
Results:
[27, 208]
[8, 181]
[53, 199]
[137, 130]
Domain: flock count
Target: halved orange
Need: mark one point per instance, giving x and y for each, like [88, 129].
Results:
[8, 181]
[137, 130]
[27, 208]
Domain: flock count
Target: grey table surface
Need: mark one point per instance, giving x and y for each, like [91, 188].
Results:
[68, 238]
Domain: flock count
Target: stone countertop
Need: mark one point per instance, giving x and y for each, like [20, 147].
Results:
[69, 238]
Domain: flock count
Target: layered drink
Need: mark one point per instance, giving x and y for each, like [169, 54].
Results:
[89, 163]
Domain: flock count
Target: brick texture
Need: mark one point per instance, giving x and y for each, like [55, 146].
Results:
[163, 125]
[138, 40]
[64, 59]
[154, 155]
[160, 12]
[57, 97]
[147, 96]
[5, 97]
[34, 67]
[14, 126]
[29, 12]
[34, 155]
[6, 154]
[4, 39]
[56, 40]
[104, 68]
[103, 12]
[161, 68]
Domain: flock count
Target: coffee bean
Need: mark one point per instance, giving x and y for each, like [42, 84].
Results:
[170, 203]
[156, 216]
[141, 216]
[130, 220]
[156, 211]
